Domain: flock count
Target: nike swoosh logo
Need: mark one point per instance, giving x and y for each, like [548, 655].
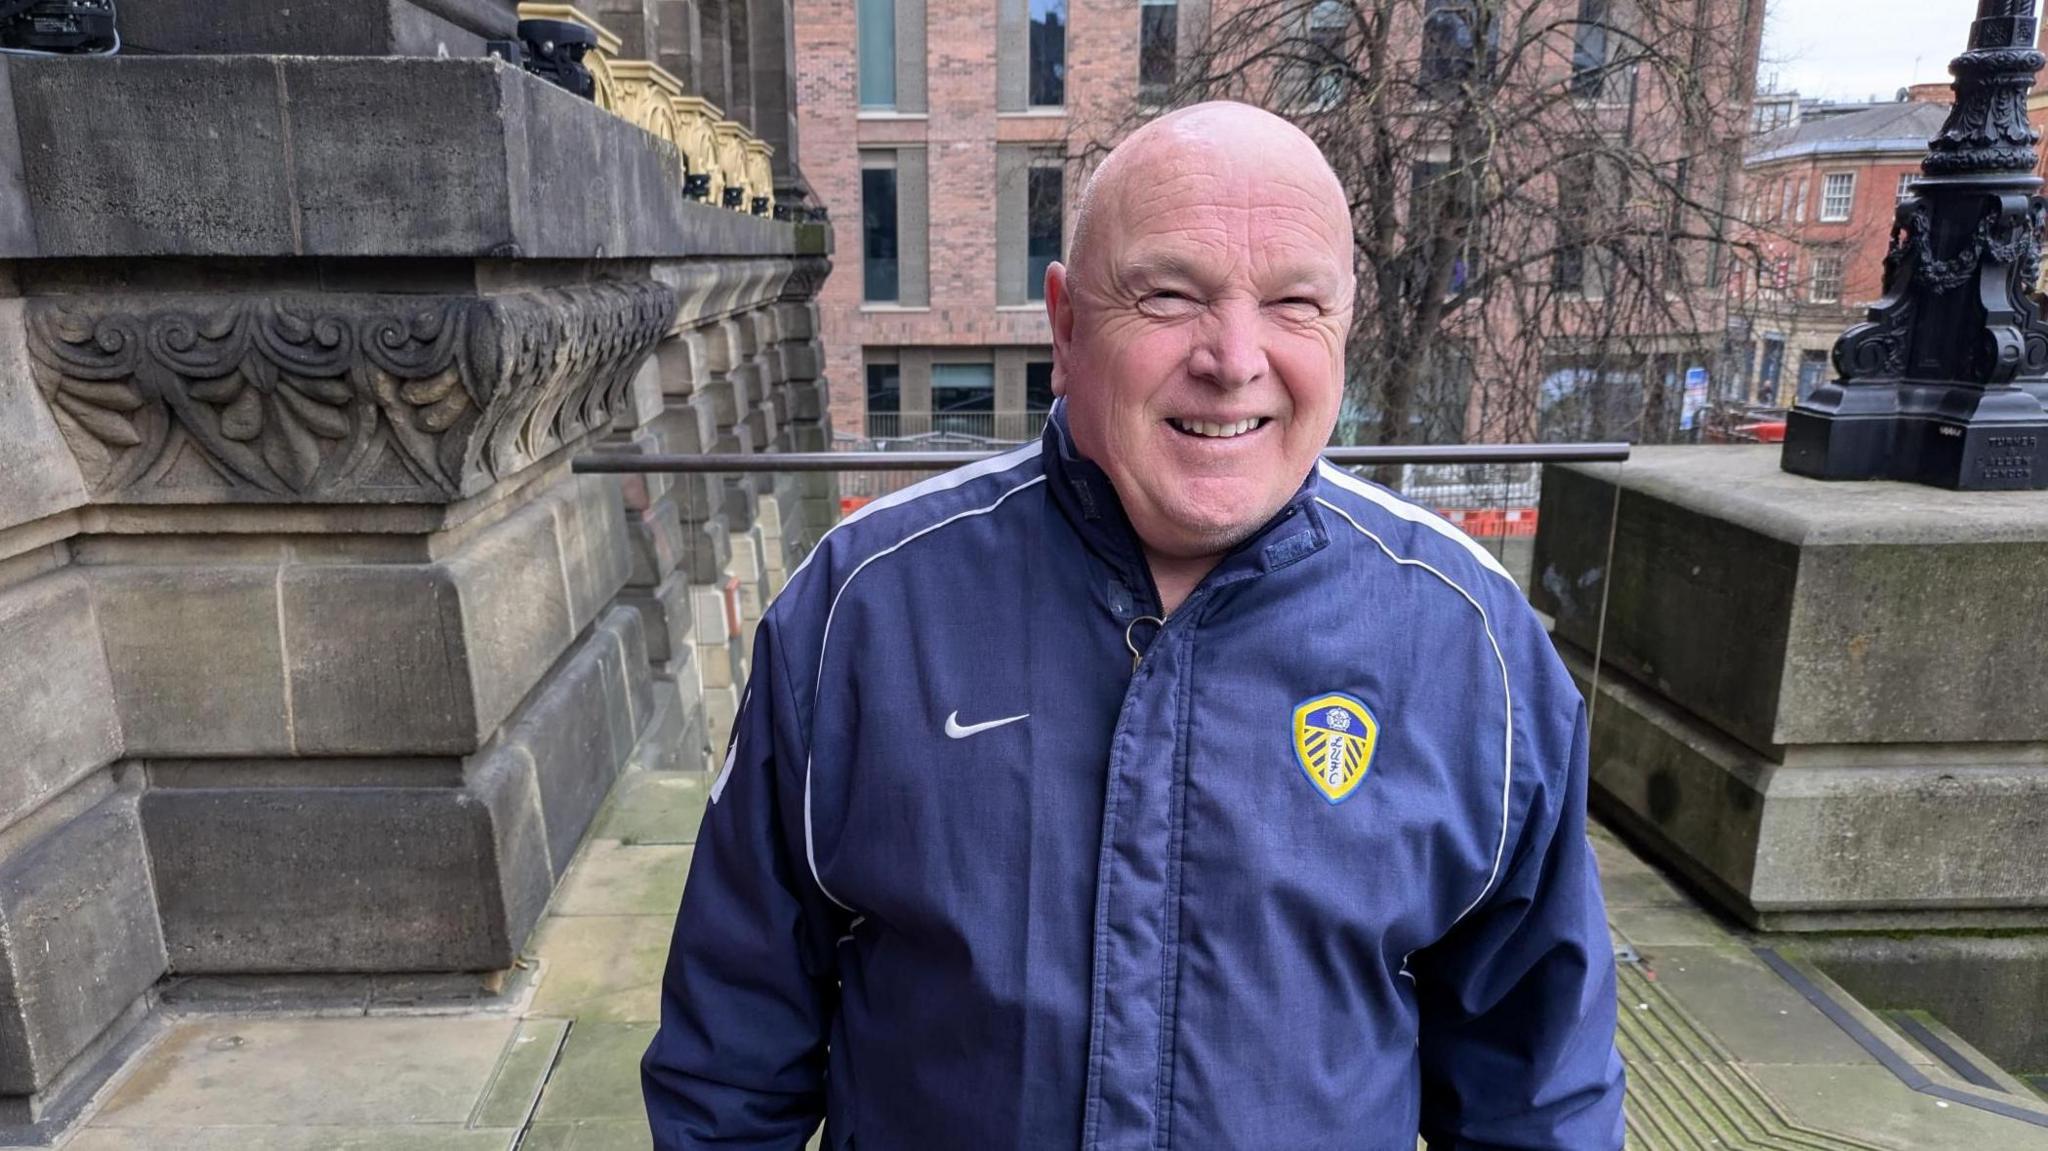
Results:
[956, 731]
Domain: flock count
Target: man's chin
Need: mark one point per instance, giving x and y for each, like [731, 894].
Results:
[1190, 536]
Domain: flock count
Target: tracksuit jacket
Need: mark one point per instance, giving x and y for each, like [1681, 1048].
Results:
[1311, 873]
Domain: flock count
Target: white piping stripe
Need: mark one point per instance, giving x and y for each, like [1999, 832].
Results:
[933, 486]
[1507, 774]
[810, 852]
[732, 750]
[1412, 514]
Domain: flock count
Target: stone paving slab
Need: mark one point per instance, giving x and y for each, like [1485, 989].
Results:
[602, 968]
[260, 1072]
[614, 878]
[656, 807]
[598, 1077]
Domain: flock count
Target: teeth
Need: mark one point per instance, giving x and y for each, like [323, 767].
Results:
[1217, 431]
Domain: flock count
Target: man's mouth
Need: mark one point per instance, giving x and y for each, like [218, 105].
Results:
[1213, 431]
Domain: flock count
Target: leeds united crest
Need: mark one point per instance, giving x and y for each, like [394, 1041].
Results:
[1334, 736]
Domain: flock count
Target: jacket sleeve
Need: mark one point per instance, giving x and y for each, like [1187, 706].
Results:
[749, 992]
[1518, 1000]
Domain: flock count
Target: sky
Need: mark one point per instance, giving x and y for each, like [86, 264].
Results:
[1854, 49]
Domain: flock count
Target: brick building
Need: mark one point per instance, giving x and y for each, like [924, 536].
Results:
[1821, 196]
[948, 142]
[940, 131]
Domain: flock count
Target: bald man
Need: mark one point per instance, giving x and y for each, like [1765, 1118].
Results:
[1156, 785]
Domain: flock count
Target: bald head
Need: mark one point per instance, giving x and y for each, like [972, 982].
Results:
[1217, 136]
[1198, 330]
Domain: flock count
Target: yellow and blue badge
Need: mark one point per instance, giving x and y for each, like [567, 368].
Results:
[1334, 737]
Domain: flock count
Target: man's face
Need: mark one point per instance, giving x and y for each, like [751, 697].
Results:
[1201, 347]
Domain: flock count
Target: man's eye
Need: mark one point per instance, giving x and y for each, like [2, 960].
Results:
[1299, 305]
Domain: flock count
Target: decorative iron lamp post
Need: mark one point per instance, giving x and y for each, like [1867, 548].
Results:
[1946, 382]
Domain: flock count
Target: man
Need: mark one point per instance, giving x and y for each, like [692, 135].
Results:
[1155, 786]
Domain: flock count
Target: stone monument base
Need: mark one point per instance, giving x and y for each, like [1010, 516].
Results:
[1825, 704]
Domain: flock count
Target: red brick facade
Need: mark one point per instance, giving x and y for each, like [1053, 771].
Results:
[960, 132]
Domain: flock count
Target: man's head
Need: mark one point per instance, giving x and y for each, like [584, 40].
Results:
[1199, 324]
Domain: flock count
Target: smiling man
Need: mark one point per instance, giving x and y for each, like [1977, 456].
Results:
[1157, 785]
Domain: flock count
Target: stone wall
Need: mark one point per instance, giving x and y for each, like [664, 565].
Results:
[318, 658]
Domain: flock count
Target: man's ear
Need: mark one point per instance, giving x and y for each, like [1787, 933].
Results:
[1059, 308]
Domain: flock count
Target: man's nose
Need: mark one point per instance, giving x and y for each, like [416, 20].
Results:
[1230, 350]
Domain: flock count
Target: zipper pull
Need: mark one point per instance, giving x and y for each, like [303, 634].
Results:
[1136, 655]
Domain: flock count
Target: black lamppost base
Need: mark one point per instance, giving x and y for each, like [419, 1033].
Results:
[1948, 453]
[1946, 382]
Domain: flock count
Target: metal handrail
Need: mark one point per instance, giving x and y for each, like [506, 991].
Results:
[626, 463]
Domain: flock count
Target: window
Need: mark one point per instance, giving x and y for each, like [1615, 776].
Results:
[1799, 205]
[1590, 49]
[1158, 48]
[1813, 372]
[877, 33]
[1906, 182]
[1773, 276]
[964, 398]
[879, 268]
[885, 400]
[1038, 387]
[1837, 195]
[1784, 197]
[1773, 367]
[1433, 192]
[1044, 215]
[1451, 56]
[1047, 83]
[1328, 59]
[1827, 278]
[1574, 201]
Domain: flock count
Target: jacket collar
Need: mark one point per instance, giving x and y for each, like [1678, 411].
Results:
[1084, 494]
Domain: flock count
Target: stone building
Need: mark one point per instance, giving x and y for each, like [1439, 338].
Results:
[1821, 195]
[315, 657]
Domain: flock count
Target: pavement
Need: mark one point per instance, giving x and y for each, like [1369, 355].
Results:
[1727, 1048]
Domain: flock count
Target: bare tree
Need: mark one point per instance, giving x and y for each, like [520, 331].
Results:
[1542, 192]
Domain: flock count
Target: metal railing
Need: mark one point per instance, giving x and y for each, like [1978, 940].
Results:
[621, 463]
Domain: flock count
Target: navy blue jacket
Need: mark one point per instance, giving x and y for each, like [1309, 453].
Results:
[1313, 875]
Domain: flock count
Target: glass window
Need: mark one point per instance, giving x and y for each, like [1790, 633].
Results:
[885, 388]
[964, 398]
[1038, 387]
[1906, 182]
[1574, 201]
[1327, 55]
[1589, 50]
[1827, 278]
[878, 234]
[1048, 76]
[1432, 190]
[1046, 199]
[1158, 45]
[885, 401]
[1837, 196]
[1451, 55]
[877, 20]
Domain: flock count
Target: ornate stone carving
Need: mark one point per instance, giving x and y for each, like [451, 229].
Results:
[331, 398]
[732, 159]
[760, 172]
[697, 122]
[646, 96]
